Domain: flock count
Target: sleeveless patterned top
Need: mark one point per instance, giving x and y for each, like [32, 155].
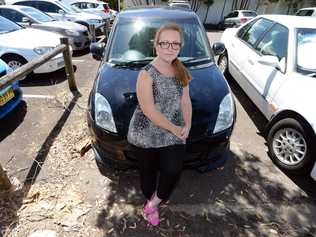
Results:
[167, 93]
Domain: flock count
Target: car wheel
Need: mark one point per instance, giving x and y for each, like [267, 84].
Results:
[222, 63]
[290, 146]
[14, 61]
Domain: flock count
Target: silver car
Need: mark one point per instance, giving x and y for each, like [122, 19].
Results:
[236, 18]
[30, 17]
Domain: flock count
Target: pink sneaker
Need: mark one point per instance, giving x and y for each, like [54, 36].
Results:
[151, 214]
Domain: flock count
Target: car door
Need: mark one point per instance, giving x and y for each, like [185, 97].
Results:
[265, 79]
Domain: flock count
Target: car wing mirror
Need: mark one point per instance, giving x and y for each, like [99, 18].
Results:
[62, 12]
[218, 48]
[26, 20]
[273, 61]
[96, 50]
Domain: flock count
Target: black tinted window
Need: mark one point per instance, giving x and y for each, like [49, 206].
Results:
[249, 14]
[274, 42]
[27, 3]
[256, 31]
[48, 7]
[244, 29]
[12, 15]
[305, 13]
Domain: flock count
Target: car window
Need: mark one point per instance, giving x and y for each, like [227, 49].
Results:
[229, 15]
[37, 14]
[8, 26]
[12, 15]
[256, 31]
[134, 40]
[249, 14]
[275, 42]
[27, 3]
[77, 4]
[48, 7]
[234, 14]
[305, 51]
[305, 13]
[244, 29]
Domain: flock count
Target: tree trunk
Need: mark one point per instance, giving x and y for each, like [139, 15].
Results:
[208, 7]
[4, 180]
[223, 10]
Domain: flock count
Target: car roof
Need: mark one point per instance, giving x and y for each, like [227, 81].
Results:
[292, 21]
[92, 1]
[15, 7]
[157, 12]
[307, 8]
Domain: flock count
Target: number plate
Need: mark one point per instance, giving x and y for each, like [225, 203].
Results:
[8, 95]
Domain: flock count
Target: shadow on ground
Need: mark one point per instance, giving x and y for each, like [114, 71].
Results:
[10, 122]
[237, 200]
[11, 202]
[305, 182]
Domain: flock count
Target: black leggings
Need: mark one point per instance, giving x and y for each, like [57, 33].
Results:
[168, 161]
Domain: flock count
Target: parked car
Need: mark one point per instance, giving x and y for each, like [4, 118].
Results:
[19, 45]
[272, 59]
[180, 4]
[10, 96]
[60, 11]
[93, 6]
[112, 100]
[236, 18]
[309, 11]
[77, 34]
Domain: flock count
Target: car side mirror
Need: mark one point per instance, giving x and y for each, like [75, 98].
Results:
[62, 12]
[273, 61]
[218, 48]
[96, 50]
[26, 20]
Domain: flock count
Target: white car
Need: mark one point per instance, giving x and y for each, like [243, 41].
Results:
[92, 6]
[272, 58]
[20, 45]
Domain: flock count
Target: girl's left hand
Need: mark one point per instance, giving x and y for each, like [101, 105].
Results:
[185, 132]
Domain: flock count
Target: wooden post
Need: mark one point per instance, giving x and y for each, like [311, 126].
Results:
[92, 32]
[68, 66]
[5, 183]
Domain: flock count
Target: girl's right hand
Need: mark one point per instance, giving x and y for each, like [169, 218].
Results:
[177, 131]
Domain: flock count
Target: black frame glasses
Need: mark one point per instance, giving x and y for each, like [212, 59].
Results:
[166, 45]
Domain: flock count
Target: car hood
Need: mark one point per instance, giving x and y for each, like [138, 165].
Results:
[66, 25]
[207, 89]
[88, 16]
[29, 38]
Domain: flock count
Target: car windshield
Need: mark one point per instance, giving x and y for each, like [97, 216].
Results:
[37, 15]
[133, 41]
[306, 51]
[8, 26]
[67, 7]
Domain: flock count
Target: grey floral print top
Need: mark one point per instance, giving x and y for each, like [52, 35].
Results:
[167, 93]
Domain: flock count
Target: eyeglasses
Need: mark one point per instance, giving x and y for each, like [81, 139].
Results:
[166, 45]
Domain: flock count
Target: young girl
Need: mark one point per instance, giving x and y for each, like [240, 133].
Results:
[162, 120]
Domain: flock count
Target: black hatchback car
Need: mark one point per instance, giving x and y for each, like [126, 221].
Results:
[113, 97]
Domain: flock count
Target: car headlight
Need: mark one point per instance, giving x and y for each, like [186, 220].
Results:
[72, 33]
[225, 116]
[103, 113]
[42, 50]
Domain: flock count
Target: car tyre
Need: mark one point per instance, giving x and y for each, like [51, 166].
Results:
[14, 61]
[222, 63]
[290, 146]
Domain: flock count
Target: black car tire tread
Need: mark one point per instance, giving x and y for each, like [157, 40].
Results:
[306, 164]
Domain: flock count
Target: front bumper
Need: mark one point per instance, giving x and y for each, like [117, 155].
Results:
[111, 149]
[52, 65]
[11, 104]
[80, 42]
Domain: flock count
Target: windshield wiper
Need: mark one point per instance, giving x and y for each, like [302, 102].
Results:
[132, 63]
[195, 60]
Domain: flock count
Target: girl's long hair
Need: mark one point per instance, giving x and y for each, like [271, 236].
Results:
[181, 73]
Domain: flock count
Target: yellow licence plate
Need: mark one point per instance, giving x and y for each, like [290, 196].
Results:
[8, 95]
